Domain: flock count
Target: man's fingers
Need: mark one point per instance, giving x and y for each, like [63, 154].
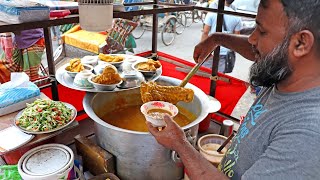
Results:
[196, 54]
[195, 57]
[168, 119]
[199, 57]
[152, 129]
[202, 58]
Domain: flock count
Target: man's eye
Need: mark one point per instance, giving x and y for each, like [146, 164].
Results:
[261, 32]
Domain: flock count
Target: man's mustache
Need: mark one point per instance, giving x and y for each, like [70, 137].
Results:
[256, 51]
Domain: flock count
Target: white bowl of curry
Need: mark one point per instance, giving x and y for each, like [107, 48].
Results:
[154, 112]
[147, 68]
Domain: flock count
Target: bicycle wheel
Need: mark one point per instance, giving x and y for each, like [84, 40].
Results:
[168, 33]
[140, 29]
[196, 16]
[189, 18]
[203, 16]
[181, 21]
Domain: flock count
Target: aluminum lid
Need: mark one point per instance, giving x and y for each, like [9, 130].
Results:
[228, 123]
[47, 159]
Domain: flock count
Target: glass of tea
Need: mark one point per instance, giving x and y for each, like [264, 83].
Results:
[208, 146]
[154, 112]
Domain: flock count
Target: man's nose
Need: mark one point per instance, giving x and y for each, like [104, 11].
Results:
[253, 38]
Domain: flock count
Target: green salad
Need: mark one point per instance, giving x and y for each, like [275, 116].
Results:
[44, 115]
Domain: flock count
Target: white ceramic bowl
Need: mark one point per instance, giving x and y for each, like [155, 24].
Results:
[116, 64]
[145, 73]
[131, 79]
[73, 74]
[90, 60]
[49, 162]
[98, 69]
[158, 121]
[103, 87]
[81, 79]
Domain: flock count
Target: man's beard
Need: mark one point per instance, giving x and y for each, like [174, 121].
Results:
[273, 67]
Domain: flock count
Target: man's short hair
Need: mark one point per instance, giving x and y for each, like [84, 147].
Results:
[302, 15]
[229, 1]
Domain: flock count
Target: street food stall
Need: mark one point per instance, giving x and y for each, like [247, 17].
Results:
[125, 149]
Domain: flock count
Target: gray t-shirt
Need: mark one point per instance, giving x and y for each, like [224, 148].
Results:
[278, 139]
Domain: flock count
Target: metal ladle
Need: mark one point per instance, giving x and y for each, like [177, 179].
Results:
[193, 71]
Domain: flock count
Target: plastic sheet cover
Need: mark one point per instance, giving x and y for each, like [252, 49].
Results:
[17, 90]
[19, 11]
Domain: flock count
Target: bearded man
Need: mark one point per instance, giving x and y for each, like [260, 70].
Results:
[279, 138]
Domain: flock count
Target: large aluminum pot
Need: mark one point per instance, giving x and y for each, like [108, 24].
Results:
[138, 155]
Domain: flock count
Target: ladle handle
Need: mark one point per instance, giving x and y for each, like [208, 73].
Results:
[193, 71]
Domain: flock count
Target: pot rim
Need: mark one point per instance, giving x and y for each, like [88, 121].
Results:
[87, 101]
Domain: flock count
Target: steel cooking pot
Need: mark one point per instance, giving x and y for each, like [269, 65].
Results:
[138, 155]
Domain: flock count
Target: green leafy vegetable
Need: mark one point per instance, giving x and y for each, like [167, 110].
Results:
[44, 115]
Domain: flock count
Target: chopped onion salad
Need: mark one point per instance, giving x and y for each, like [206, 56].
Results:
[44, 115]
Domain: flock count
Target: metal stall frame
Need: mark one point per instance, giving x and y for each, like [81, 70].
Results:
[158, 7]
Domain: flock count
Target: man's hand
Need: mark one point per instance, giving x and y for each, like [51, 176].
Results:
[171, 137]
[204, 48]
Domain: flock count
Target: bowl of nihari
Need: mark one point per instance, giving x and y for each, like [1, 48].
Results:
[147, 68]
[98, 69]
[75, 66]
[108, 80]
[113, 59]
[154, 112]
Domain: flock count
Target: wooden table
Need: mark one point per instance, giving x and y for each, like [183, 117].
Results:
[7, 121]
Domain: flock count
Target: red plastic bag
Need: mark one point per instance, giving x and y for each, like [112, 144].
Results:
[59, 13]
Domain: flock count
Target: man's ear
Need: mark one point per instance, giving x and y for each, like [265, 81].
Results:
[302, 43]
